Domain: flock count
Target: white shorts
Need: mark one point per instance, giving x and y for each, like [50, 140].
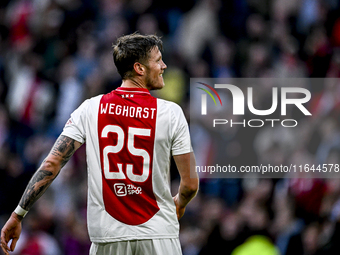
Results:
[166, 246]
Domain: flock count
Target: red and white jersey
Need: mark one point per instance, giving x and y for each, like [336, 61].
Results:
[130, 137]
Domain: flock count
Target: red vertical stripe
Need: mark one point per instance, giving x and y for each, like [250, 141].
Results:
[130, 202]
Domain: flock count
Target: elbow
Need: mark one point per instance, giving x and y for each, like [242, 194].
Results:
[51, 166]
[192, 187]
[195, 187]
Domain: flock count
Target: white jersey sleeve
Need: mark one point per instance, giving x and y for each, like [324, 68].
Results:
[180, 133]
[75, 126]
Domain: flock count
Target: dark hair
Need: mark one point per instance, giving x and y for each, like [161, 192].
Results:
[133, 48]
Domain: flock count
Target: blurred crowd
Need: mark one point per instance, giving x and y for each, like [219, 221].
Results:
[56, 53]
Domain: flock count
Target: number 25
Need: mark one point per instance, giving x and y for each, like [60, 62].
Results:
[132, 132]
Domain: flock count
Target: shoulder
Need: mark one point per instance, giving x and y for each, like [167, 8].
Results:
[95, 99]
[86, 106]
[172, 110]
[90, 102]
[171, 106]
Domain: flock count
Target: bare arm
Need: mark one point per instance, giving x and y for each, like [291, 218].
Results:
[61, 152]
[189, 181]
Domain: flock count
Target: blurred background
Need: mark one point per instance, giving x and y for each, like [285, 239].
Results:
[56, 53]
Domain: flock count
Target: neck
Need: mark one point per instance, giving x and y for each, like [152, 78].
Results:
[133, 83]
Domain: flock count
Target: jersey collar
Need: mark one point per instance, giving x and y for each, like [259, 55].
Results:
[133, 90]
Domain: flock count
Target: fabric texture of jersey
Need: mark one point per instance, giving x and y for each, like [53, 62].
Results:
[130, 137]
[162, 246]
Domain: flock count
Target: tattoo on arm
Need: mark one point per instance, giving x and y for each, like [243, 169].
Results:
[35, 189]
[63, 148]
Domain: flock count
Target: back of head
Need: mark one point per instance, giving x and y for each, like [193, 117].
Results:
[133, 48]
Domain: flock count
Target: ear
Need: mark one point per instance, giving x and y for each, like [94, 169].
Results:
[139, 68]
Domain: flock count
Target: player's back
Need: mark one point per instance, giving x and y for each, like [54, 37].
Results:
[130, 136]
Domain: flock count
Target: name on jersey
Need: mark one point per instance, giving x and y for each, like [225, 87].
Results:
[128, 111]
